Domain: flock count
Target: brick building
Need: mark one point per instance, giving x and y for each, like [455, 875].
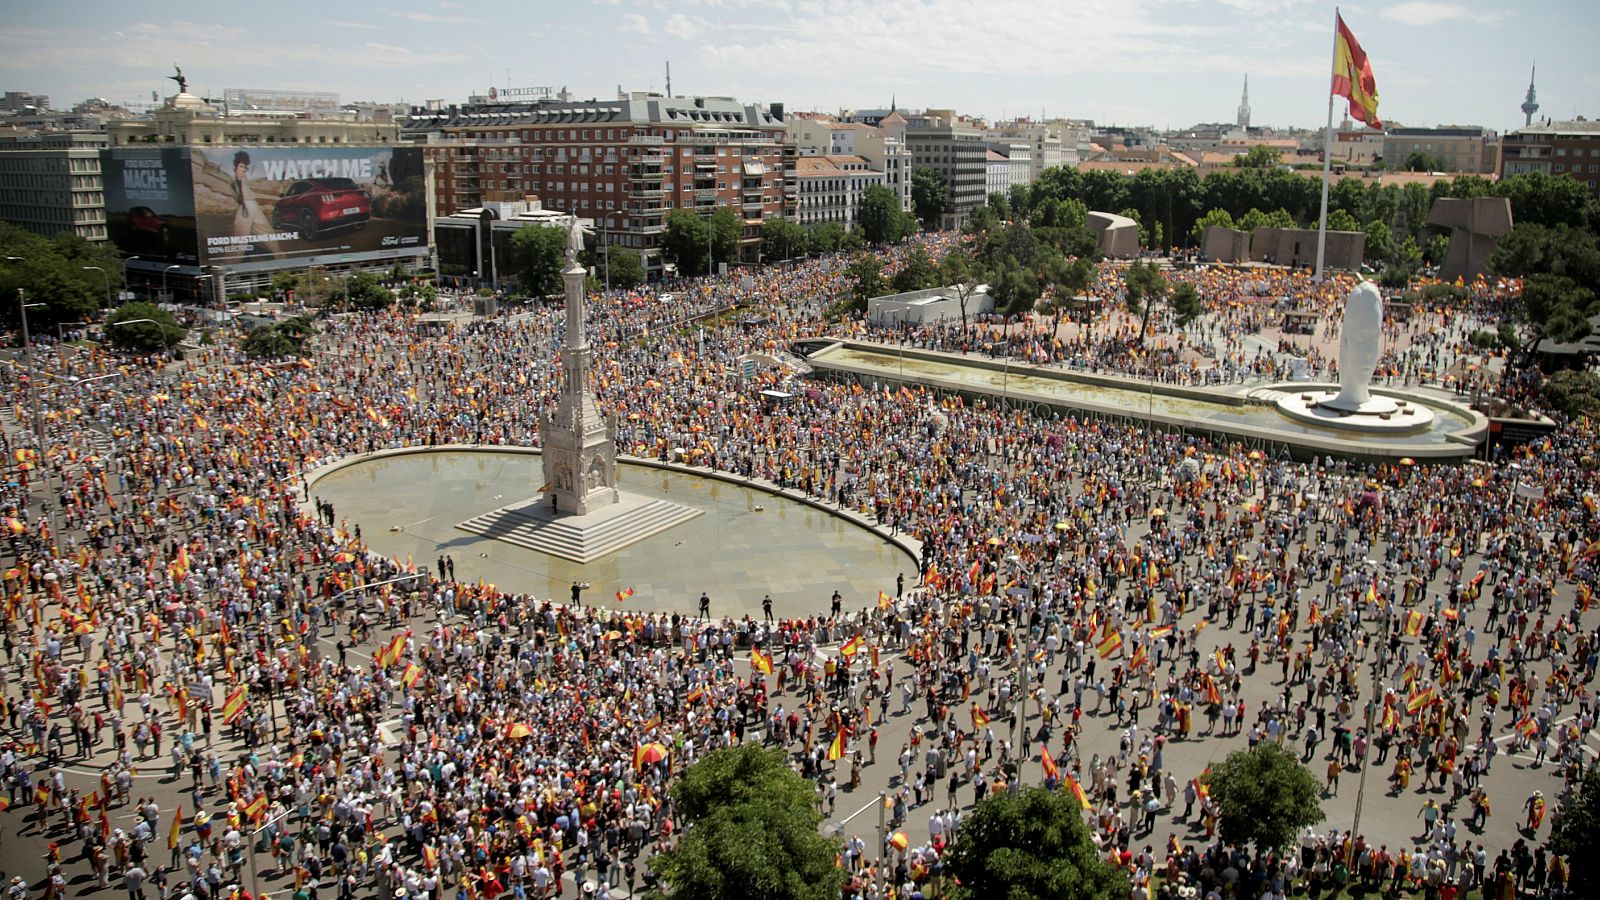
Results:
[624, 163]
[1555, 148]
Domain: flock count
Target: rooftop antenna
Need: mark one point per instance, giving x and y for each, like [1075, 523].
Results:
[669, 78]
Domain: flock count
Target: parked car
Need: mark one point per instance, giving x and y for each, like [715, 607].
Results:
[315, 206]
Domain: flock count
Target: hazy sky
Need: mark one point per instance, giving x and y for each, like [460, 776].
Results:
[1154, 62]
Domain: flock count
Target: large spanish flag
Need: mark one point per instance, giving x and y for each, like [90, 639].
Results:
[1352, 75]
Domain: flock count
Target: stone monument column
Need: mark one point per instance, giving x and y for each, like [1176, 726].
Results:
[579, 447]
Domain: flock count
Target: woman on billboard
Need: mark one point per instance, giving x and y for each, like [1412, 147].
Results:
[247, 215]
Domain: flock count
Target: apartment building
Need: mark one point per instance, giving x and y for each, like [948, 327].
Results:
[50, 183]
[624, 163]
[831, 188]
[1555, 148]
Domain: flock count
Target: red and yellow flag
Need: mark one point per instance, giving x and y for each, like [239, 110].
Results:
[853, 646]
[1352, 75]
[1109, 645]
[1049, 763]
[979, 717]
[177, 829]
[761, 662]
[233, 706]
[1076, 790]
[836, 749]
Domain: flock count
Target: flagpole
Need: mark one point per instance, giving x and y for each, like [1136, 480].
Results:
[1327, 154]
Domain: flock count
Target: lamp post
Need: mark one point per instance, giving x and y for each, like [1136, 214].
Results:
[125, 261]
[605, 245]
[165, 294]
[107, 279]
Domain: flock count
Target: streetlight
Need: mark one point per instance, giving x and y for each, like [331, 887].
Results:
[108, 281]
[165, 294]
[27, 350]
[605, 245]
[125, 262]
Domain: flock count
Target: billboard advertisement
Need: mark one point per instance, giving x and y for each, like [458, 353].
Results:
[275, 207]
[150, 203]
[264, 208]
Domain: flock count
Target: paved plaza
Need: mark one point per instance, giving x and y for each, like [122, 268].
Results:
[341, 710]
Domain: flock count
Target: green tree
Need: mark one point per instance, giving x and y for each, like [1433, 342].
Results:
[865, 276]
[149, 328]
[268, 343]
[1032, 845]
[1015, 289]
[1186, 304]
[1001, 204]
[1539, 198]
[782, 239]
[1143, 288]
[964, 277]
[1557, 307]
[364, 290]
[1418, 161]
[1339, 220]
[538, 253]
[1438, 249]
[1070, 283]
[1265, 795]
[51, 272]
[625, 269]
[1218, 217]
[828, 237]
[880, 218]
[1259, 156]
[1380, 241]
[1577, 393]
[751, 832]
[726, 229]
[929, 197]
[1531, 249]
[1255, 218]
[916, 272]
[982, 221]
[1576, 830]
[684, 239]
[285, 282]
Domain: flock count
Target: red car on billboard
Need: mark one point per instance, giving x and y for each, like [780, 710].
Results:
[316, 206]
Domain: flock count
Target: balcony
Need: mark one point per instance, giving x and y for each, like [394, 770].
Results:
[646, 193]
[647, 139]
[647, 176]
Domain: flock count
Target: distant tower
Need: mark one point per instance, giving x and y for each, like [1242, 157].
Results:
[1244, 106]
[1530, 104]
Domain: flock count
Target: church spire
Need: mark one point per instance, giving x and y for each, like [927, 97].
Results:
[1244, 106]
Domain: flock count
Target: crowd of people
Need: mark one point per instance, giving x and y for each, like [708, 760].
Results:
[178, 604]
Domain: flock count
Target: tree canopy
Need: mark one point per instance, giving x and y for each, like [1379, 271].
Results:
[1266, 796]
[1032, 844]
[537, 255]
[55, 272]
[623, 266]
[751, 832]
[148, 328]
[684, 241]
[929, 196]
[782, 239]
[880, 217]
[1577, 832]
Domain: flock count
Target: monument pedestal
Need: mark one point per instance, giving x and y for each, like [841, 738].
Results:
[579, 538]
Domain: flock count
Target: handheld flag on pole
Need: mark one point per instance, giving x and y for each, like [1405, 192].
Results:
[177, 829]
[979, 717]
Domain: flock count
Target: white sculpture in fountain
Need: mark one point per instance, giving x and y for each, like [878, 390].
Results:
[1354, 407]
[1360, 345]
